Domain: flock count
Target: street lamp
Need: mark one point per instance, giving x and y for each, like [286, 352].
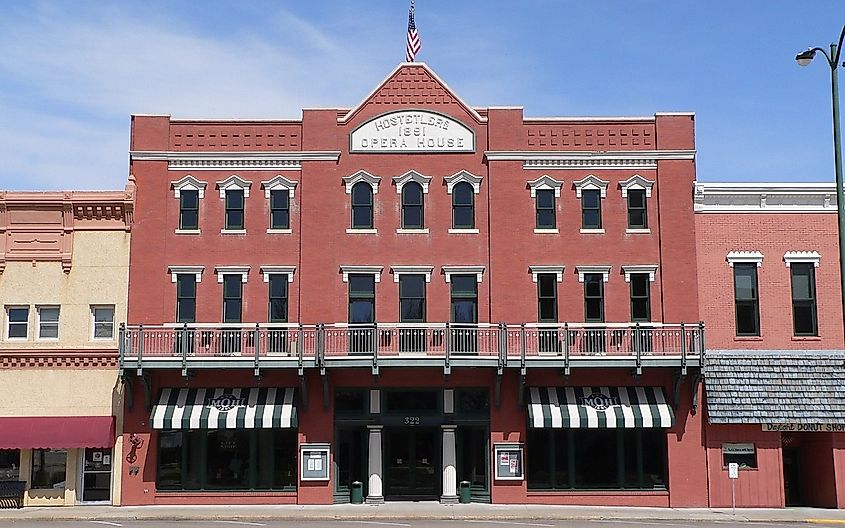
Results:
[803, 59]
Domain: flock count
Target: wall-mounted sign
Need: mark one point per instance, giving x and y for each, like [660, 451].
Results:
[738, 449]
[805, 427]
[315, 461]
[508, 462]
[733, 470]
[412, 131]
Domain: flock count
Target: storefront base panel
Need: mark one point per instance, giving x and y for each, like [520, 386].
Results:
[219, 498]
[650, 499]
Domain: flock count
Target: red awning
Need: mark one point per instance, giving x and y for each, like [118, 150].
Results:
[56, 432]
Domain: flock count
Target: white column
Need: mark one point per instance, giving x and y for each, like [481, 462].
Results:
[374, 488]
[450, 474]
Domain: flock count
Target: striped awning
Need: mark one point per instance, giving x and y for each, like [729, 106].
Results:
[225, 408]
[598, 407]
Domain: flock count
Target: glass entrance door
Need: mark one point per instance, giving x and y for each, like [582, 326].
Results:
[473, 446]
[96, 475]
[412, 464]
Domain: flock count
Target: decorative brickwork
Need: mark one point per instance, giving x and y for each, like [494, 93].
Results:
[235, 136]
[58, 360]
[588, 137]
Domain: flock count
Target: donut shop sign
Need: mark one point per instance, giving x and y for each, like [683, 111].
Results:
[412, 131]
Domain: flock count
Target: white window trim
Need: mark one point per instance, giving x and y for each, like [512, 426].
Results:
[809, 257]
[188, 183]
[95, 307]
[545, 183]
[279, 231]
[744, 257]
[448, 271]
[347, 270]
[411, 270]
[636, 182]
[234, 183]
[636, 231]
[599, 231]
[403, 231]
[278, 270]
[545, 231]
[38, 321]
[279, 183]
[591, 182]
[462, 231]
[8, 322]
[361, 231]
[631, 269]
[539, 269]
[185, 270]
[412, 176]
[187, 231]
[583, 270]
[222, 271]
[463, 176]
[361, 176]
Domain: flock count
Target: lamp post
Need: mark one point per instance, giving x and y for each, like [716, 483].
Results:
[803, 59]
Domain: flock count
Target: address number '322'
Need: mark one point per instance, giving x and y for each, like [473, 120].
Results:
[412, 420]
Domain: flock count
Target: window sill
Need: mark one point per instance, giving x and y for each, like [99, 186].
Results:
[592, 231]
[806, 338]
[463, 231]
[280, 231]
[187, 231]
[351, 231]
[546, 231]
[233, 231]
[748, 338]
[631, 231]
[423, 231]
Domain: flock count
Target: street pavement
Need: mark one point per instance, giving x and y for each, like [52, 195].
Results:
[409, 515]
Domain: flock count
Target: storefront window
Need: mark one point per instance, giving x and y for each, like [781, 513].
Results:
[596, 459]
[48, 468]
[10, 460]
[236, 459]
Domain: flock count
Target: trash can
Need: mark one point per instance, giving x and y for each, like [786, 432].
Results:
[464, 493]
[356, 492]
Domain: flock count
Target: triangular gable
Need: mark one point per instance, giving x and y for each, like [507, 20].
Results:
[412, 84]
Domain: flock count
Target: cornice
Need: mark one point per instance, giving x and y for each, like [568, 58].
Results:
[576, 159]
[257, 160]
[765, 197]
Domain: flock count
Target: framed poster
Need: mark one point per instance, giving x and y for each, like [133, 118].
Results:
[314, 461]
[508, 461]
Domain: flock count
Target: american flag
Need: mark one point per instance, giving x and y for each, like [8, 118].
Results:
[413, 46]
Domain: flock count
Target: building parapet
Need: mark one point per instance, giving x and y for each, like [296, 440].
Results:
[765, 197]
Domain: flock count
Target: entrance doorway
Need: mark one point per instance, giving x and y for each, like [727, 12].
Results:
[792, 476]
[96, 475]
[473, 446]
[412, 464]
[809, 478]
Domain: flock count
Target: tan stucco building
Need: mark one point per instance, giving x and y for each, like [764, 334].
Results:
[64, 260]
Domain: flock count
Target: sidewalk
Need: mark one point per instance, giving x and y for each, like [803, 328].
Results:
[422, 510]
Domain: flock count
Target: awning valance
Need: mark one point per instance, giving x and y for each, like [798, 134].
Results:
[56, 432]
[225, 408]
[598, 407]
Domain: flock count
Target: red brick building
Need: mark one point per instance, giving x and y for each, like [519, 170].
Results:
[411, 294]
[769, 291]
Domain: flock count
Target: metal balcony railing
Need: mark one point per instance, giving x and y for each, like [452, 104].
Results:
[322, 344]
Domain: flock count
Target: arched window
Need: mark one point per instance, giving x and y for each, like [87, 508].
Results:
[362, 206]
[463, 206]
[412, 206]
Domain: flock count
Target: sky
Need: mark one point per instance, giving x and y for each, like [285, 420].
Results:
[72, 73]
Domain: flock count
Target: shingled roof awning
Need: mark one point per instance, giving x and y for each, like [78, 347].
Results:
[775, 386]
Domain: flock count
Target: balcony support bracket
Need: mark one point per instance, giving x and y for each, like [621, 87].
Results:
[520, 389]
[696, 381]
[677, 383]
[128, 389]
[326, 402]
[497, 391]
[147, 382]
[303, 391]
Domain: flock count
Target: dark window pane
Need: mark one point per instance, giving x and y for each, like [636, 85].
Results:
[639, 285]
[278, 311]
[745, 293]
[280, 219]
[539, 451]
[593, 286]
[472, 401]
[228, 460]
[279, 199]
[462, 194]
[464, 311]
[190, 220]
[411, 310]
[232, 286]
[278, 286]
[361, 284]
[802, 281]
[746, 318]
[636, 198]
[362, 194]
[804, 318]
[464, 284]
[654, 457]
[637, 218]
[640, 310]
[593, 310]
[464, 218]
[545, 199]
[187, 310]
[361, 311]
[169, 474]
[412, 194]
[49, 469]
[412, 286]
[10, 465]
[234, 199]
[412, 217]
[592, 219]
[186, 285]
[189, 199]
[548, 310]
[232, 311]
[590, 199]
[18, 315]
[745, 281]
[412, 401]
[546, 219]
[596, 458]
[350, 401]
[560, 454]
[547, 285]
[362, 217]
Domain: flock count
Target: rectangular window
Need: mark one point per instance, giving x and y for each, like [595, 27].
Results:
[464, 299]
[411, 298]
[743, 454]
[232, 298]
[230, 459]
[637, 214]
[186, 298]
[546, 209]
[234, 210]
[594, 298]
[591, 209]
[596, 459]
[640, 297]
[189, 208]
[547, 298]
[746, 297]
[280, 209]
[49, 467]
[10, 465]
[804, 316]
[278, 299]
[362, 312]
[102, 322]
[48, 322]
[18, 322]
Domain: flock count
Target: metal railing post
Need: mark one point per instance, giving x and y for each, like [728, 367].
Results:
[300, 345]
[448, 347]
[121, 345]
[256, 343]
[140, 348]
[566, 349]
[637, 348]
[503, 346]
[523, 344]
[375, 341]
[683, 348]
[184, 349]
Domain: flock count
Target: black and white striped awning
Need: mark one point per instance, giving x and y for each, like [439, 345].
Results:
[225, 408]
[598, 407]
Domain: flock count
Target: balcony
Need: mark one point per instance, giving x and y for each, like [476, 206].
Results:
[446, 345]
